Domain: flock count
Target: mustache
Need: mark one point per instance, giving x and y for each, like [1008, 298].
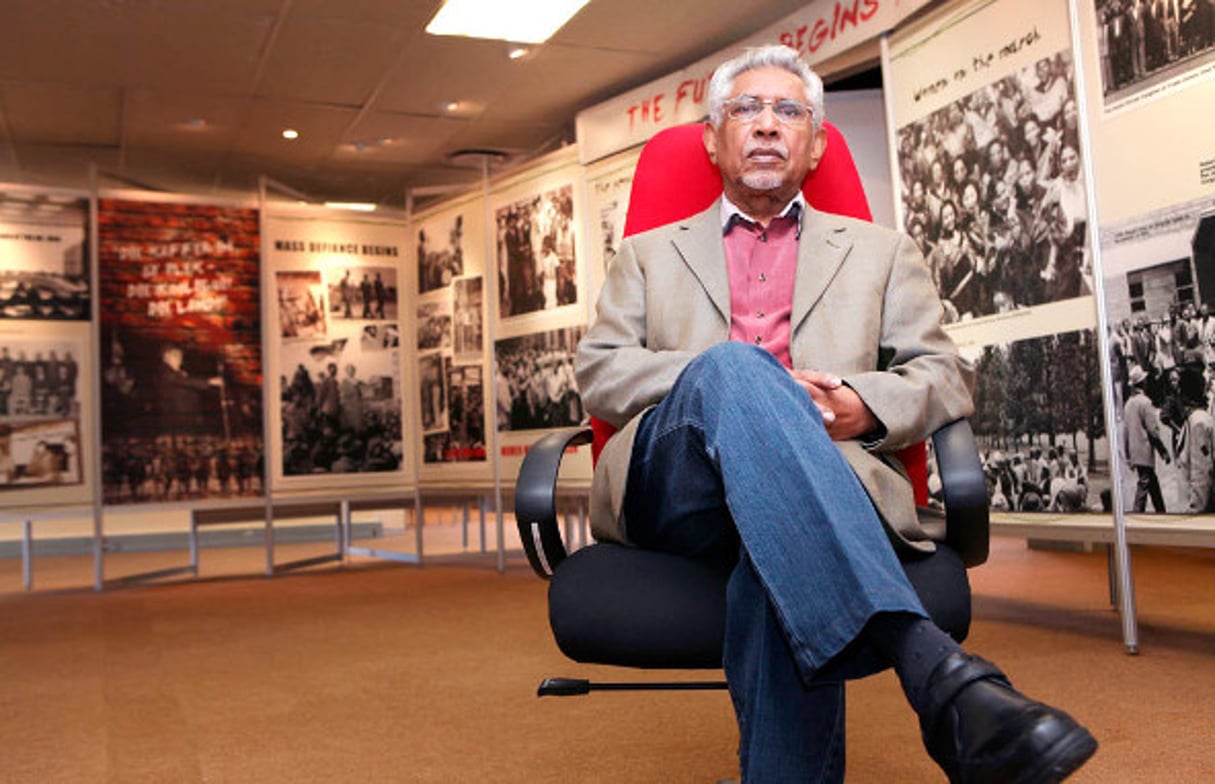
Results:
[770, 148]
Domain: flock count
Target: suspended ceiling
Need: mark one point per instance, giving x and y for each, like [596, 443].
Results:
[192, 95]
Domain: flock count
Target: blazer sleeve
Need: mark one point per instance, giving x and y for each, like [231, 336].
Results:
[619, 374]
[922, 383]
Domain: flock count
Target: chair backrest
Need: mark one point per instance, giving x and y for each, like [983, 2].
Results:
[675, 179]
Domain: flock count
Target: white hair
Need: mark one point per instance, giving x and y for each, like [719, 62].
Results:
[771, 56]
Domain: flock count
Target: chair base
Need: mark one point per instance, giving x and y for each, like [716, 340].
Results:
[576, 687]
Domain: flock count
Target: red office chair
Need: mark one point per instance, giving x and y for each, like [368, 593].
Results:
[610, 604]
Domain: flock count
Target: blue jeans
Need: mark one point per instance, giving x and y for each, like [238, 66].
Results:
[736, 460]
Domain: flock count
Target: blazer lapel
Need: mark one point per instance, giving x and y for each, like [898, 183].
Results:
[821, 252]
[698, 242]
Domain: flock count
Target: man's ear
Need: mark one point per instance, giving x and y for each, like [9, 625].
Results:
[710, 139]
[818, 146]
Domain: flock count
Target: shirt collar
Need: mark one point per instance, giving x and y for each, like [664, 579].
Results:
[731, 214]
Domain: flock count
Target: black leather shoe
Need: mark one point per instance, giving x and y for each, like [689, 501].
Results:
[982, 731]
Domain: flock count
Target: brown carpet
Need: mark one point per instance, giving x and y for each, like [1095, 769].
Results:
[399, 674]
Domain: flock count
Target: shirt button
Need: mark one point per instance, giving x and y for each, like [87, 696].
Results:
[758, 340]
[763, 278]
[759, 314]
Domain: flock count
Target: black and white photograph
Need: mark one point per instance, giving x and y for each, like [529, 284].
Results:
[379, 337]
[434, 324]
[440, 253]
[464, 440]
[1144, 43]
[301, 303]
[468, 333]
[432, 392]
[536, 268]
[535, 384]
[1040, 425]
[341, 409]
[40, 410]
[368, 293]
[993, 193]
[1160, 293]
[44, 263]
[610, 197]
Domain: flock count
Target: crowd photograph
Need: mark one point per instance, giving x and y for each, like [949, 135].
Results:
[1039, 422]
[535, 245]
[1142, 39]
[341, 411]
[992, 192]
[535, 383]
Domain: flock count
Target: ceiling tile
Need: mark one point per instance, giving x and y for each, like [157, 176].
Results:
[191, 47]
[162, 119]
[329, 61]
[400, 138]
[434, 70]
[62, 41]
[62, 114]
[404, 14]
[321, 128]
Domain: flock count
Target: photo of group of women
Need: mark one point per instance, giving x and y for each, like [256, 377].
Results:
[993, 193]
[341, 396]
[1144, 42]
[1040, 424]
[535, 384]
[1160, 289]
[453, 411]
[39, 413]
[535, 249]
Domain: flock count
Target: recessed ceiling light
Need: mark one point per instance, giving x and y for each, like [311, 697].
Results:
[517, 51]
[198, 123]
[451, 106]
[504, 21]
[291, 133]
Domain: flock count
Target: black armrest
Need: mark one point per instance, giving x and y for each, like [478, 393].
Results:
[536, 499]
[967, 527]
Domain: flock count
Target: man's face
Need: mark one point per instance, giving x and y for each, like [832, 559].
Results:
[764, 156]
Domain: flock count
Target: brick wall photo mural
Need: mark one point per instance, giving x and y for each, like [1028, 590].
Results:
[180, 352]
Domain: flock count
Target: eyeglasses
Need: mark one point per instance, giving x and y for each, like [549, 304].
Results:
[748, 108]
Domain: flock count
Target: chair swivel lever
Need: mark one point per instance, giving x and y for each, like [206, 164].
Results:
[574, 687]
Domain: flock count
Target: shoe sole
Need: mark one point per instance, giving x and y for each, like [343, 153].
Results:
[1062, 759]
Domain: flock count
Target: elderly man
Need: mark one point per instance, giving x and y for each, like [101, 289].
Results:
[762, 360]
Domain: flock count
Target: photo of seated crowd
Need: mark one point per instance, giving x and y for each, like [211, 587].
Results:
[535, 385]
[1040, 425]
[993, 194]
[32, 295]
[1140, 39]
[1162, 369]
[536, 253]
[177, 424]
[341, 411]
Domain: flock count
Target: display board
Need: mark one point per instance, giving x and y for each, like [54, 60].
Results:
[335, 352]
[990, 185]
[1151, 84]
[540, 259]
[181, 391]
[608, 185]
[46, 423]
[452, 297]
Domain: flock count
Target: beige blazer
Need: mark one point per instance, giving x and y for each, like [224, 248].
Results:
[864, 307]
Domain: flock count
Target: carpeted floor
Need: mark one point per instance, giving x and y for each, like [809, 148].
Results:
[387, 673]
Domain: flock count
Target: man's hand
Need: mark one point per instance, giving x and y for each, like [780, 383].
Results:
[844, 413]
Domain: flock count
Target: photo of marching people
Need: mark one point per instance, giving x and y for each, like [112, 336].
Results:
[440, 258]
[993, 193]
[535, 382]
[432, 391]
[179, 422]
[536, 268]
[1040, 425]
[341, 409]
[362, 293]
[434, 324]
[468, 340]
[1144, 42]
[464, 440]
[39, 413]
[44, 265]
[301, 304]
